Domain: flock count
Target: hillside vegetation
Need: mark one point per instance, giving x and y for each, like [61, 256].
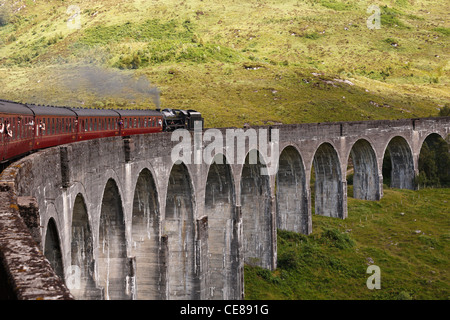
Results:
[406, 235]
[238, 62]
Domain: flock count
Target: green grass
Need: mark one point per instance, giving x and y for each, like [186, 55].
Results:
[406, 234]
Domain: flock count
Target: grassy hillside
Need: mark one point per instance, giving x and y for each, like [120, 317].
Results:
[237, 62]
[406, 234]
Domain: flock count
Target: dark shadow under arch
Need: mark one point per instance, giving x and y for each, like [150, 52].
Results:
[256, 214]
[434, 162]
[113, 265]
[145, 238]
[220, 208]
[328, 186]
[291, 193]
[52, 248]
[398, 164]
[366, 182]
[179, 227]
[82, 253]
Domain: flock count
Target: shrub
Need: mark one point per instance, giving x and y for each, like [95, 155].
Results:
[288, 259]
[4, 16]
[336, 238]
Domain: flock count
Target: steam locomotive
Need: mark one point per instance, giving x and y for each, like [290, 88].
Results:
[28, 127]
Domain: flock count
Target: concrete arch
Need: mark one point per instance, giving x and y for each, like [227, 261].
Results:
[433, 162]
[328, 188]
[52, 248]
[425, 137]
[82, 256]
[256, 210]
[366, 181]
[113, 265]
[402, 163]
[179, 228]
[443, 135]
[220, 204]
[145, 237]
[291, 192]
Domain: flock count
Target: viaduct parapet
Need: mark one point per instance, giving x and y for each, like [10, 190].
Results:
[116, 218]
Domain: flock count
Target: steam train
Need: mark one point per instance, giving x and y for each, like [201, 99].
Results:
[26, 127]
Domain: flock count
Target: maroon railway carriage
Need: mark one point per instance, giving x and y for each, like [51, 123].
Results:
[53, 126]
[16, 129]
[140, 121]
[96, 123]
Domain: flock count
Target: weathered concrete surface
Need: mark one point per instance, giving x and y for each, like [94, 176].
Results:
[24, 272]
[138, 226]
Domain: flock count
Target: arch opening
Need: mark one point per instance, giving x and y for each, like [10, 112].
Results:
[179, 227]
[398, 164]
[145, 238]
[256, 214]
[82, 253]
[220, 207]
[328, 189]
[291, 193]
[434, 162]
[52, 248]
[113, 265]
[362, 171]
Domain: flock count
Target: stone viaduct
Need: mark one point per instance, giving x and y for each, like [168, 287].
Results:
[116, 218]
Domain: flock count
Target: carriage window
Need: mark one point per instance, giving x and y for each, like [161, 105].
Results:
[19, 128]
[126, 123]
[15, 132]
